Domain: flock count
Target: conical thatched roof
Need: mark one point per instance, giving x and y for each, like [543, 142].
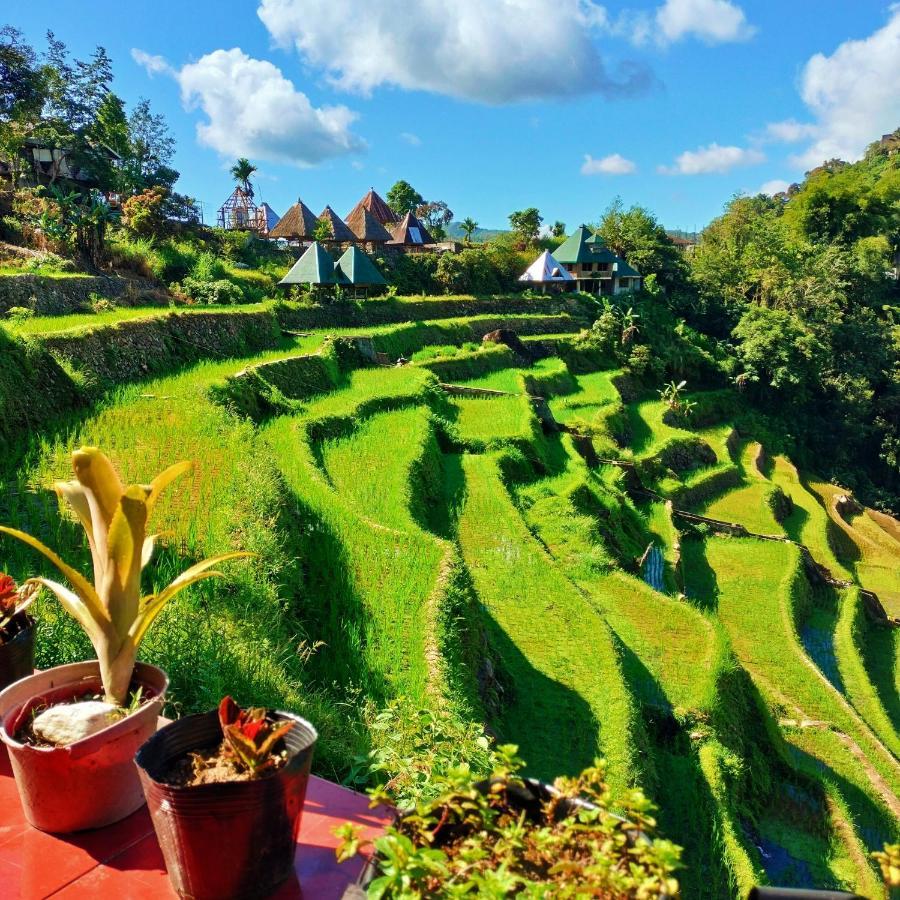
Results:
[356, 268]
[314, 267]
[379, 209]
[410, 232]
[297, 224]
[340, 233]
[365, 226]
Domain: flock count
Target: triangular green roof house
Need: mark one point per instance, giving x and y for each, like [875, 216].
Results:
[583, 246]
[355, 267]
[314, 267]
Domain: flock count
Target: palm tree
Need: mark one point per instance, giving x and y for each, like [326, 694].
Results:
[468, 226]
[241, 172]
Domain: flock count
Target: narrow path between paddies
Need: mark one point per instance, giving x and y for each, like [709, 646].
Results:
[566, 697]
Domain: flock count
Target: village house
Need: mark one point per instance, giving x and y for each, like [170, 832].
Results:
[593, 266]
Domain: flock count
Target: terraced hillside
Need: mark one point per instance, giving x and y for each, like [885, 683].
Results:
[583, 574]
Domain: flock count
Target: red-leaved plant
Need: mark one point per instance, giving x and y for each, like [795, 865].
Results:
[13, 600]
[250, 737]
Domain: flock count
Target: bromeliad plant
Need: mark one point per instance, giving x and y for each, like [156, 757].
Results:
[112, 611]
[250, 736]
[13, 601]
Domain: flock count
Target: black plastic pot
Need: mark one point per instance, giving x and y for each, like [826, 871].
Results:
[17, 653]
[777, 893]
[231, 840]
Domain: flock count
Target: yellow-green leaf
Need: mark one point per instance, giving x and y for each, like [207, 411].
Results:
[94, 470]
[83, 588]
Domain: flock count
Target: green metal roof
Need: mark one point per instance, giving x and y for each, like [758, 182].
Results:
[584, 246]
[354, 267]
[314, 267]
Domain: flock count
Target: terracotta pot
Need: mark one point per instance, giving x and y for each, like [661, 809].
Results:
[92, 782]
[17, 654]
[231, 840]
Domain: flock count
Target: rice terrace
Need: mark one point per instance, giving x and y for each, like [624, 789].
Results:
[579, 546]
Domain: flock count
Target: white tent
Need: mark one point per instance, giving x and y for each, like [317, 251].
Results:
[546, 270]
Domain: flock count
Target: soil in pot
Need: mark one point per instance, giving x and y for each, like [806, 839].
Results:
[224, 834]
[16, 649]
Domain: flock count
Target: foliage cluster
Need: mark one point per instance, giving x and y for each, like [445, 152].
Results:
[482, 838]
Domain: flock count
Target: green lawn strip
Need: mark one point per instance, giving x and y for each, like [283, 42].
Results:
[484, 421]
[808, 523]
[761, 591]
[567, 700]
[852, 631]
[237, 635]
[371, 467]
[864, 547]
[79, 322]
[370, 583]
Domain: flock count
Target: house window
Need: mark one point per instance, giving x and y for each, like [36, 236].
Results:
[604, 267]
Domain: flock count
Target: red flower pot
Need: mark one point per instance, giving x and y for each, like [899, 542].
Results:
[92, 782]
[231, 840]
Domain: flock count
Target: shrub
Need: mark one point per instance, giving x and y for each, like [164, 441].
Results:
[144, 213]
[214, 293]
[19, 314]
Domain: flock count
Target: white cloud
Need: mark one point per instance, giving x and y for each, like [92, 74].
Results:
[155, 65]
[614, 164]
[412, 139]
[712, 21]
[773, 187]
[712, 159]
[502, 51]
[853, 94]
[253, 110]
[789, 131]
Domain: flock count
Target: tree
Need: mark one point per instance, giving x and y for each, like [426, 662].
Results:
[636, 236]
[22, 94]
[151, 149]
[403, 198]
[437, 216]
[526, 223]
[241, 172]
[469, 226]
[322, 231]
[558, 229]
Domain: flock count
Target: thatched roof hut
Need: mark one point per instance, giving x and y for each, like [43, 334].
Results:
[340, 233]
[378, 208]
[366, 227]
[297, 224]
[410, 233]
[315, 267]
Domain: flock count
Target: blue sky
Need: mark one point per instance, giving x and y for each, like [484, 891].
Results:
[494, 105]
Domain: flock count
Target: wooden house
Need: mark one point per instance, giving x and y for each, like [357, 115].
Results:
[338, 232]
[366, 228]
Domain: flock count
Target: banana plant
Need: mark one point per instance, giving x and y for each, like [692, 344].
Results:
[112, 611]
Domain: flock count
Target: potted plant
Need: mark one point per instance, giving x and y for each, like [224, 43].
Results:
[225, 791]
[16, 631]
[509, 836]
[72, 731]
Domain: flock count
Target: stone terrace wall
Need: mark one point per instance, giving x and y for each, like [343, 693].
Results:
[49, 296]
[135, 349]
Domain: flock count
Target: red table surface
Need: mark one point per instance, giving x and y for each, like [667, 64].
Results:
[124, 860]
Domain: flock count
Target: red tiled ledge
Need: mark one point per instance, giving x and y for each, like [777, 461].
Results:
[124, 860]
